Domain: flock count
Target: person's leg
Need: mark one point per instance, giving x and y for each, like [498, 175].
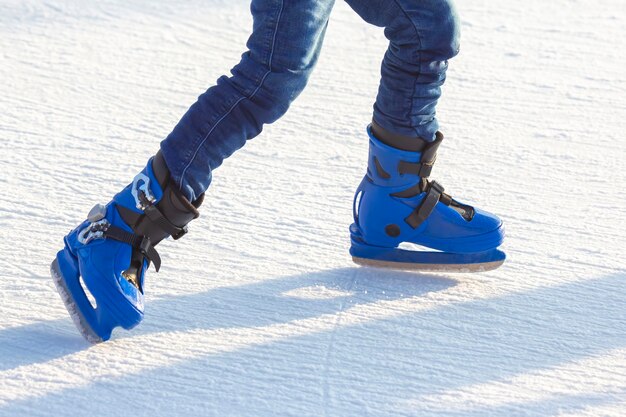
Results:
[422, 35]
[283, 50]
[109, 253]
[396, 203]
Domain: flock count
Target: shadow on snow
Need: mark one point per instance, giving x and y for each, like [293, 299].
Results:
[373, 367]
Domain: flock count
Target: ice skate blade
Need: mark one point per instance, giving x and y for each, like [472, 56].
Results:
[419, 267]
[79, 320]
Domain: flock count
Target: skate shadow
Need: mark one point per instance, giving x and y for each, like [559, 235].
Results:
[38, 342]
[380, 366]
[266, 302]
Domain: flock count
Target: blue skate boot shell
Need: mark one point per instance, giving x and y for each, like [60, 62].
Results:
[396, 204]
[111, 252]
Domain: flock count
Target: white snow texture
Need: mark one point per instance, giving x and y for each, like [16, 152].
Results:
[259, 310]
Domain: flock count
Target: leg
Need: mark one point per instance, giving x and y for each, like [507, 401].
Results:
[422, 35]
[395, 202]
[109, 253]
[283, 50]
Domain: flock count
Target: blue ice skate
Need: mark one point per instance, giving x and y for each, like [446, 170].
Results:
[395, 204]
[110, 252]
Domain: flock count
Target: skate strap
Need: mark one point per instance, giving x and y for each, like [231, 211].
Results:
[158, 219]
[424, 167]
[434, 194]
[141, 243]
[421, 169]
[426, 207]
[154, 217]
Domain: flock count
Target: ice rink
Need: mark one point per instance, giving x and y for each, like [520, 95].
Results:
[259, 310]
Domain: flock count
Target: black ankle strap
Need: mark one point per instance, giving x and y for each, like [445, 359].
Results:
[395, 140]
[424, 167]
[434, 194]
[140, 243]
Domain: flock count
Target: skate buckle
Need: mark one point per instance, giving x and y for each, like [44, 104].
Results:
[145, 245]
[95, 230]
[141, 191]
[437, 187]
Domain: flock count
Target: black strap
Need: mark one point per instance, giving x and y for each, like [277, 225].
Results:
[141, 243]
[395, 140]
[413, 191]
[426, 207]
[424, 167]
[430, 153]
[419, 169]
[155, 215]
[434, 195]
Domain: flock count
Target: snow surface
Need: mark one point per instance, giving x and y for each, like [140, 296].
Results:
[259, 310]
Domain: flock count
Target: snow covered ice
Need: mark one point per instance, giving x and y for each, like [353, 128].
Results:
[259, 310]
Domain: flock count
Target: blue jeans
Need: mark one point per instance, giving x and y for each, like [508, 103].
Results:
[282, 51]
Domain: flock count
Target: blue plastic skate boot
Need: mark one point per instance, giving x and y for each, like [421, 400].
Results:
[396, 205]
[110, 252]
